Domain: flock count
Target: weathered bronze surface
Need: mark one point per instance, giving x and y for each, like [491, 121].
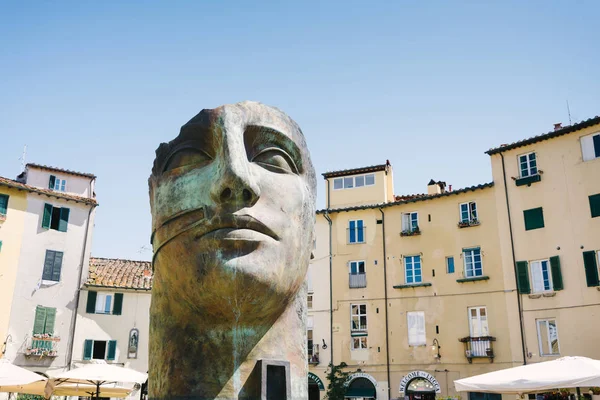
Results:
[233, 210]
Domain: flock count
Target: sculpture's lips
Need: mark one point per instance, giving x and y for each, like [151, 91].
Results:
[229, 226]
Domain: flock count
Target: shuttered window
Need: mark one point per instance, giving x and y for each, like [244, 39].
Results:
[52, 265]
[3, 204]
[416, 328]
[112, 350]
[534, 218]
[118, 306]
[591, 268]
[56, 218]
[100, 350]
[90, 307]
[594, 205]
[523, 277]
[44, 321]
[557, 280]
[104, 303]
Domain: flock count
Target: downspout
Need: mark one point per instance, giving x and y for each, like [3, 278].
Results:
[514, 262]
[326, 215]
[385, 296]
[78, 292]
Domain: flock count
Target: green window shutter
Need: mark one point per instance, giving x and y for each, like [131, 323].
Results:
[591, 268]
[118, 306]
[51, 182]
[534, 218]
[557, 281]
[58, 257]
[90, 308]
[112, 350]
[40, 320]
[0, 245]
[64, 219]
[3, 204]
[87, 349]
[523, 277]
[50, 319]
[594, 205]
[48, 265]
[47, 218]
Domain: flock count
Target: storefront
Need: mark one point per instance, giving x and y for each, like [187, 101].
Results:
[361, 386]
[419, 385]
[315, 387]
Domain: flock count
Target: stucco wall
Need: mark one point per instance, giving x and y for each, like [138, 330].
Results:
[77, 185]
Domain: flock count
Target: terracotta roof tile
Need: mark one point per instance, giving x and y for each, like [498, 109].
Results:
[353, 171]
[66, 171]
[51, 193]
[118, 273]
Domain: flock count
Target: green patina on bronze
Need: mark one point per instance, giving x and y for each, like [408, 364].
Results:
[233, 208]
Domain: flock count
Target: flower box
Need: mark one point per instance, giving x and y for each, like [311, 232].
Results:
[411, 232]
[466, 224]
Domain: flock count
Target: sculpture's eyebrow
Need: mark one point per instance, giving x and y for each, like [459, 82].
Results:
[191, 136]
[265, 136]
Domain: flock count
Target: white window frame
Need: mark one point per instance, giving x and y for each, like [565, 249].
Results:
[101, 300]
[359, 342]
[414, 282]
[465, 265]
[352, 181]
[538, 328]
[419, 332]
[471, 210]
[356, 229]
[484, 326]
[309, 301]
[529, 161]
[358, 316]
[588, 151]
[407, 218]
[535, 268]
[357, 262]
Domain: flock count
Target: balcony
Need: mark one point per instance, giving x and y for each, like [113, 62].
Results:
[357, 281]
[43, 346]
[479, 347]
[313, 354]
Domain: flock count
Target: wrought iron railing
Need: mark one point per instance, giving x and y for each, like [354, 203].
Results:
[43, 346]
[479, 347]
[357, 280]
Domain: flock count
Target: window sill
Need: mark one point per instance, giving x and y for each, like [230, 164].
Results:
[356, 242]
[528, 180]
[412, 285]
[468, 224]
[410, 233]
[473, 279]
[49, 283]
[359, 334]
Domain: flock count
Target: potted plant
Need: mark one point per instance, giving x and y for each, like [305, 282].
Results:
[595, 392]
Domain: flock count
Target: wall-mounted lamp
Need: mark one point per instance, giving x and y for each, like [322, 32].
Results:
[324, 345]
[435, 349]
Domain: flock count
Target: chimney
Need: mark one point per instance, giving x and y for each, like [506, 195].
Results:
[434, 187]
[449, 188]
[558, 126]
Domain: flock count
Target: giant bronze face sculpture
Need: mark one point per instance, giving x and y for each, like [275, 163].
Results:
[233, 208]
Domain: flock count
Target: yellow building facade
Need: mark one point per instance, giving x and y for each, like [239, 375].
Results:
[13, 206]
[426, 289]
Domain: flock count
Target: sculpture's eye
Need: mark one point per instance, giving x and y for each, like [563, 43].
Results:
[186, 157]
[276, 160]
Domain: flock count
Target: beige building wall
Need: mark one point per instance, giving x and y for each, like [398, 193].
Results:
[11, 236]
[381, 191]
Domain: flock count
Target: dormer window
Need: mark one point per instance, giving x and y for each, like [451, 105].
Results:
[57, 184]
[528, 165]
[349, 182]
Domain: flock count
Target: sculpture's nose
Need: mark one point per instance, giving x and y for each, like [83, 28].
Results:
[234, 185]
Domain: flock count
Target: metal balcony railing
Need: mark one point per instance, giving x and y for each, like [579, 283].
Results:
[478, 347]
[313, 354]
[43, 346]
[357, 280]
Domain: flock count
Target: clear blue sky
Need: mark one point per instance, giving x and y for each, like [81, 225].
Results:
[95, 87]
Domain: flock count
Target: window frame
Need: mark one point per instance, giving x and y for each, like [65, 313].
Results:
[448, 258]
[358, 316]
[465, 270]
[4, 212]
[470, 212]
[413, 221]
[548, 272]
[50, 278]
[309, 301]
[356, 230]
[362, 342]
[549, 344]
[358, 264]
[419, 341]
[479, 319]
[589, 152]
[413, 269]
[344, 179]
[528, 162]
[104, 295]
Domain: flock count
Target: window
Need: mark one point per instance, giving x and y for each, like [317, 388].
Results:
[309, 336]
[548, 337]
[57, 184]
[358, 315]
[3, 206]
[357, 267]
[349, 182]
[356, 231]
[412, 267]
[410, 222]
[534, 218]
[52, 266]
[478, 322]
[528, 165]
[468, 213]
[359, 342]
[416, 328]
[594, 205]
[590, 146]
[99, 349]
[309, 301]
[541, 276]
[450, 265]
[55, 218]
[473, 266]
[45, 318]
[104, 303]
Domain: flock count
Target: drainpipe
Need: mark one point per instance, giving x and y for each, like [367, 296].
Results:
[385, 296]
[326, 215]
[514, 262]
[78, 292]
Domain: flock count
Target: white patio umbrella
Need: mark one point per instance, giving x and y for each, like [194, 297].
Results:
[99, 375]
[565, 372]
[44, 388]
[12, 375]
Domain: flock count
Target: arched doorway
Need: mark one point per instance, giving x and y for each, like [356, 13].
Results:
[315, 386]
[420, 389]
[361, 389]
